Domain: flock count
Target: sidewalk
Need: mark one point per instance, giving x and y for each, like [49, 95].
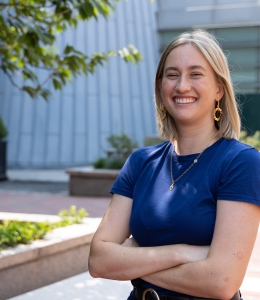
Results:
[81, 287]
[46, 193]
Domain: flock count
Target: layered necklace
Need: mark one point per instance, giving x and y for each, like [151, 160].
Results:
[194, 162]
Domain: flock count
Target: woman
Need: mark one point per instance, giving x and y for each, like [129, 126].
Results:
[191, 203]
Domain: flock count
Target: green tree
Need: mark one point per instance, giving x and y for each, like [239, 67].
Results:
[28, 31]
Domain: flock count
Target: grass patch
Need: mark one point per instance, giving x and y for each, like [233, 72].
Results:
[13, 233]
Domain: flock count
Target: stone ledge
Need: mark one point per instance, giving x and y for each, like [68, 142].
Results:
[98, 173]
[61, 254]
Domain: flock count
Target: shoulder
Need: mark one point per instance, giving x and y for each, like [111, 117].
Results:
[239, 173]
[233, 159]
[150, 153]
[233, 150]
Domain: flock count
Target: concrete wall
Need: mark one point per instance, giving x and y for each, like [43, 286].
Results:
[71, 129]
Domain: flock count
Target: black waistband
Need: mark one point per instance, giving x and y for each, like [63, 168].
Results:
[138, 293]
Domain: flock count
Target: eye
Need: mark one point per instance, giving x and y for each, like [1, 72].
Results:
[196, 74]
[172, 75]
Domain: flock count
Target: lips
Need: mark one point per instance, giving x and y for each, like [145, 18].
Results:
[184, 100]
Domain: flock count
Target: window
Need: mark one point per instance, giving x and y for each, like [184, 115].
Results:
[241, 45]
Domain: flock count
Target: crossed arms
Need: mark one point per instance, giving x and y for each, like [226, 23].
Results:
[211, 272]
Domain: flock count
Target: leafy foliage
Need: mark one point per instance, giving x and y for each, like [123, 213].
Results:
[121, 146]
[17, 232]
[252, 140]
[3, 130]
[28, 34]
[153, 140]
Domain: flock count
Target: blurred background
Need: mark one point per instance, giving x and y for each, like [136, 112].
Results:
[71, 129]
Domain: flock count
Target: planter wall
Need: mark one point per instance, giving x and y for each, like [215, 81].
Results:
[61, 254]
[92, 183]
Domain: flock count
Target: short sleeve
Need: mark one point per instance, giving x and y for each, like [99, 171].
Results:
[240, 180]
[126, 179]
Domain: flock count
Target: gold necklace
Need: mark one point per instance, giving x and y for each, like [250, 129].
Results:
[194, 162]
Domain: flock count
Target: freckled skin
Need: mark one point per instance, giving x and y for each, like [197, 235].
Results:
[239, 255]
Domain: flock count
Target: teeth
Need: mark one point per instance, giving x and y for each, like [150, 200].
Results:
[184, 100]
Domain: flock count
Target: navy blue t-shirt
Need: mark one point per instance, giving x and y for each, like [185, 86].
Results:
[227, 170]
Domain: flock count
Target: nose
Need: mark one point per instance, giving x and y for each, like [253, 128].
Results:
[183, 84]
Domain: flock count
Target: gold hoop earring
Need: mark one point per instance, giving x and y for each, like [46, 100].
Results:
[163, 110]
[217, 114]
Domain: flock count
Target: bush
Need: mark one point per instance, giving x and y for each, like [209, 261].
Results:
[121, 146]
[153, 140]
[100, 163]
[252, 140]
[17, 232]
[3, 130]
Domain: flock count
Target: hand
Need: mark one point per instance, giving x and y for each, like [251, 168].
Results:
[130, 242]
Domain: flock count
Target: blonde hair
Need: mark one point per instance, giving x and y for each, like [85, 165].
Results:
[229, 125]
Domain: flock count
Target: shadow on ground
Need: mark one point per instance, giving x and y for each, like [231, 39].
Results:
[35, 186]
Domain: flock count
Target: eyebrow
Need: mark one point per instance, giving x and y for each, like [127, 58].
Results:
[191, 68]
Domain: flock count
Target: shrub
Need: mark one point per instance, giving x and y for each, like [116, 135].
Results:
[121, 146]
[17, 232]
[153, 140]
[3, 130]
[100, 163]
[252, 140]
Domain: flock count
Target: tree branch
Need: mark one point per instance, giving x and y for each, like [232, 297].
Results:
[49, 77]
[12, 81]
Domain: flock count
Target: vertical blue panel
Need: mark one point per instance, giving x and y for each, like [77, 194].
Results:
[66, 128]
[14, 128]
[24, 155]
[27, 115]
[80, 149]
[53, 143]
[38, 149]
[93, 123]
[114, 81]
[53, 129]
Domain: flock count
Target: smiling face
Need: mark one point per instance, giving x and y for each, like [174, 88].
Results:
[189, 88]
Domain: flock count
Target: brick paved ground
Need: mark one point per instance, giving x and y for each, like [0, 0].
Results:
[47, 203]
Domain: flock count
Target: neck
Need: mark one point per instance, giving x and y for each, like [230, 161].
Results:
[195, 140]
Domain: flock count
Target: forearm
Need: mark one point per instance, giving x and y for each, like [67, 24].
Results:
[113, 261]
[201, 279]
[221, 274]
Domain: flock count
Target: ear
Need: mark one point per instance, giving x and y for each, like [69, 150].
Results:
[220, 92]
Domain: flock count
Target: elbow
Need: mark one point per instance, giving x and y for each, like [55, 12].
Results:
[93, 272]
[94, 266]
[92, 269]
[225, 294]
[225, 290]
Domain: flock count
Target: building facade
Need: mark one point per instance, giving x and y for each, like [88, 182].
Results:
[236, 25]
[72, 128]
